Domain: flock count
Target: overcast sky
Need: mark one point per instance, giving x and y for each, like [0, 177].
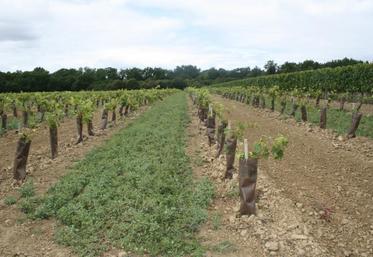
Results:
[166, 33]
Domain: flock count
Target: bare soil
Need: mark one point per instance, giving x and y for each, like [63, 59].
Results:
[20, 236]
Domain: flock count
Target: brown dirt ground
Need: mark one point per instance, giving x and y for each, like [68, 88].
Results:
[319, 173]
[18, 235]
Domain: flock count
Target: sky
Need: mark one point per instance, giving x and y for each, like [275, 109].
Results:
[226, 34]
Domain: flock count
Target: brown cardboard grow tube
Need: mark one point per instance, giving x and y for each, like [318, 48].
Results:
[20, 160]
[4, 118]
[221, 137]
[104, 118]
[53, 137]
[211, 129]
[25, 116]
[231, 144]
[114, 116]
[126, 110]
[248, 169]
[121, 111]
[303, 110]
[90, 128]
[79, 126]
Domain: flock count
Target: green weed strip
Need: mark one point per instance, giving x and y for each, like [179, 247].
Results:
[136, 192]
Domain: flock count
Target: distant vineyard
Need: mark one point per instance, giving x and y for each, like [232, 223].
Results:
[349, 79]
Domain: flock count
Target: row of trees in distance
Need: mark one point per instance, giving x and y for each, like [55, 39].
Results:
[110, 78]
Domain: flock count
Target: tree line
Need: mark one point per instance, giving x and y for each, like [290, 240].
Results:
[110, 78]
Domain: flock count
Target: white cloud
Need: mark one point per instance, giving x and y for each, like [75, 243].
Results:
[220, 33]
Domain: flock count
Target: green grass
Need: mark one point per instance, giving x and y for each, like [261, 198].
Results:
[216, 219]
[233, 192]
[136, 192]
[338, 121]
[27, 189]
[10, 200]
[223, 247]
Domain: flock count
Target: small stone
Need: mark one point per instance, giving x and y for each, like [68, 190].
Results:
[236, 208]
[243, 232]
[345, 221]
[271, 246]
[299, 205]
[340, 138]
[346, 253]
[232, 219]
[301, 252]
[122, 254]
[298, 237]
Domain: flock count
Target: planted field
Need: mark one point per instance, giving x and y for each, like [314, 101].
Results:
[206, 172]
[186, 128]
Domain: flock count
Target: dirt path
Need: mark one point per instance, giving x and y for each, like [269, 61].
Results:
[20, 236]
[318, 174]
